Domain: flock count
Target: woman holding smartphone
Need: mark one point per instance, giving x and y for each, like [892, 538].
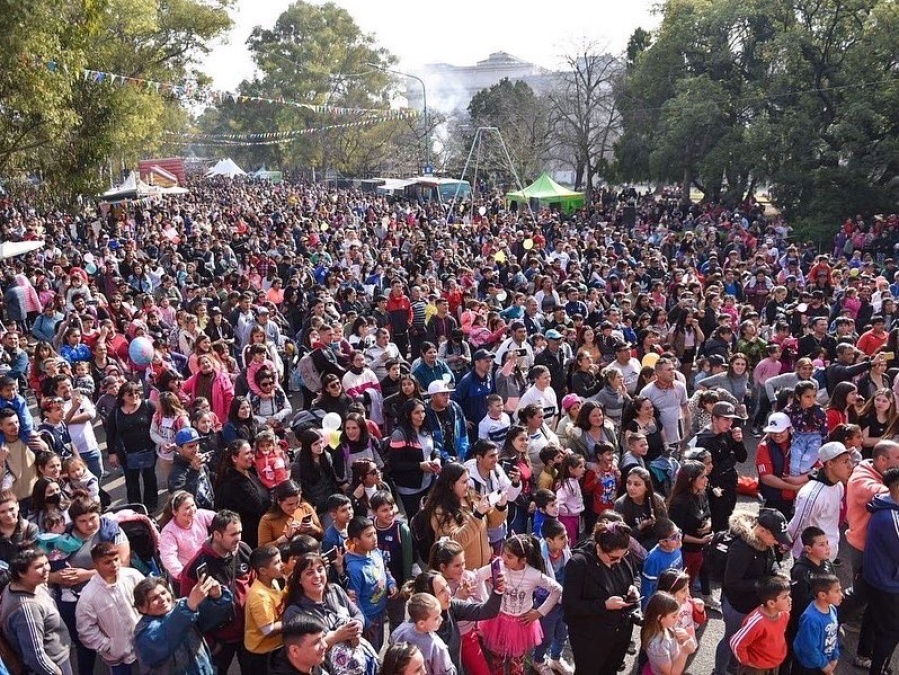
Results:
[288, 516]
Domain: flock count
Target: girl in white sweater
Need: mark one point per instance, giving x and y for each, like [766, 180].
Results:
[569, 495]
[516, 631]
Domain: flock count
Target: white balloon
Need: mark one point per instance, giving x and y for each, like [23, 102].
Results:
[482, 210]
[331, 422]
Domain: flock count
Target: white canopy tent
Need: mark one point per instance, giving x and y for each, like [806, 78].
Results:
[132, 188]
[226, 167]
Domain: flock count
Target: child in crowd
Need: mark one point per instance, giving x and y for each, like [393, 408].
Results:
[53, 430]
[340, 509]
[395, 544]
[556, 554]
[512, 635]
[665, 644]
[169, 419]
[568, 493]
[448, 558]
[637, 447]
[546, 507]
[809, 422]
[849, 435]
[663, 556]
[692, 612]
[262, 628]
[425, 617]
[551, 458]
[604, 481]
[816, 648]
[109, 388]
[211, 443]
[496, 422]
[761, 645]
[369, 578]
[272, 465]
[258, 354]
[82, 380]
[571, 406]
[77, 477]
[814, 561]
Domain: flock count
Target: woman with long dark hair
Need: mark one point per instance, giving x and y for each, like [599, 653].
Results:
[356, 444]
[642, 417]
[514, 457]
[641, 507]
[413, 458]
[313, 469]
[454, 510]
[131, 446]
[688, 507]
[241, 424]
[237, 487]
[599, 598]
[594, 430]
[332, 398]
[288, 516]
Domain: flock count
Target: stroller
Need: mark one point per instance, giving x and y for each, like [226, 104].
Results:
[143, 537]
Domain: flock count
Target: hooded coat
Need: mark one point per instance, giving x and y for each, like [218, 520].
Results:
[748, 560]
[881, 564]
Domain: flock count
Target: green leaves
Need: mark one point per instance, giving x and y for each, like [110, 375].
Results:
[799, 94]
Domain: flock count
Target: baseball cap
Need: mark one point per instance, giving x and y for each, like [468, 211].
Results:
[439, 387]
[725, 409]
[776, 524]
[553, 334]
[777, 423]
[831, 450]
[186, 435]
[481, 354]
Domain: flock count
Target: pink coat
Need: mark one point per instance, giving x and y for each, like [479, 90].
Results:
[178, 546]
[222, 392]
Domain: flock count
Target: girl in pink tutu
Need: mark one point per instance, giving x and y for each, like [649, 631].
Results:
[516, 631]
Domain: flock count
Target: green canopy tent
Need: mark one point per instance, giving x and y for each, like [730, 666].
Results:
[546, 192]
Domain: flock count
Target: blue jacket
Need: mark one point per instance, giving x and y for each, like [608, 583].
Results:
[471, 394]
[460, 452]
[369, 577]
[18, 364]
[44, 327]
[881, 562]
[26, 421]
[173, 644]
[817, 642]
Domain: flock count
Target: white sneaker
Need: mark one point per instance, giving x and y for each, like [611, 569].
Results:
[543, 668]
[561, 666]
[711, 603]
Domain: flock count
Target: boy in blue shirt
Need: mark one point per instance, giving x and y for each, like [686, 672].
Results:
[816, 649]
[369, 577]
[556, 554]
[341, 510]
[665, 555]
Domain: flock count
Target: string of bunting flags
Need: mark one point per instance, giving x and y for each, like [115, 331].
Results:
[209, 95]
[201, 94]
[276, 137]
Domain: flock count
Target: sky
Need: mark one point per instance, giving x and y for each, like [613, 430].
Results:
[460, 33]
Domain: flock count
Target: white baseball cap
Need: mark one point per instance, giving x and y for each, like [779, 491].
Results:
[777, 423]
[439, 387]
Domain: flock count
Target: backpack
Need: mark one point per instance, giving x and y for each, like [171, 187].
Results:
[716, 553]
[312, 380]
[422, 535]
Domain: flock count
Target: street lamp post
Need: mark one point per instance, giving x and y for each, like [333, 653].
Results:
[424, 104]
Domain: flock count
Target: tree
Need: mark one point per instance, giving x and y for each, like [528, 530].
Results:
[525, 122]
[587, 111]
[735, 92]
[317, 55]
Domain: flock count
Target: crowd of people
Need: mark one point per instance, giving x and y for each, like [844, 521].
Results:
[379, 436]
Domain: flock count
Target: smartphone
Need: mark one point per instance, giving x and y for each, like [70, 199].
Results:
[307, 520]
[522, 352]
[508, 465]
[202, 571]
[494, 497]
[331, 555]
[495, 571]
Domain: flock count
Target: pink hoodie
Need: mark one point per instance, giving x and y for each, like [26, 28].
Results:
[178, 546]
[864, 484]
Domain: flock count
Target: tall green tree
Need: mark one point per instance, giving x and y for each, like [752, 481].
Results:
[316, 54]
[525, 122]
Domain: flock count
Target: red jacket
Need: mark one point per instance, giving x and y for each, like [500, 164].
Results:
[761, 642]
